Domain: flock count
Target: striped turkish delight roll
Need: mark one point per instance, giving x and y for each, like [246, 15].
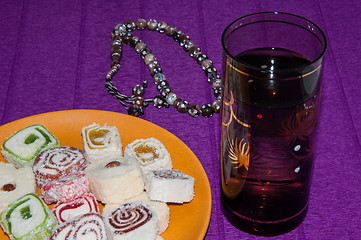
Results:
[57, 162]
[65, 189]
[150, 153]
[115, 180]
[24, 146]
[14, 183]
[132, 220]
[88, 226]
[160, 208]
[28, 218]
[172, 186]
[68, 210]
[101, 142]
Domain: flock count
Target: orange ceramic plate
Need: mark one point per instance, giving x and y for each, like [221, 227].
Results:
[187, 221]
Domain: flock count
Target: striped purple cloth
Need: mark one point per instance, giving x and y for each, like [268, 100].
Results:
[54, 55]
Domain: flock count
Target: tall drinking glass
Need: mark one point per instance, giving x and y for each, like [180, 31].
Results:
[272, 64]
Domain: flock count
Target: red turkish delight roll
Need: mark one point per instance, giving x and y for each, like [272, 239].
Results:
[88, 226]
[79, 206]
[57, 162]
[65, 189]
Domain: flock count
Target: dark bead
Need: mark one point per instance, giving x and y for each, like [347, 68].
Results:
[177, 102]
[149, 58]
[177, 35]
[121, 29]
[213, 76]
[162, 84]
[158, 77]
[209, 70]
[217, 92]
[135, 110]
[116, 39]
[138, 90]
[161, 27]
[116, 48]
[127, 37]
[152, 65]
[144, 52]
[188, 46]
[134, 41]
[200, 58]
[216, 105]
[130, 25]
[139, 47]
[183, 39]
[155, 71]
[207, 110]
[152, 24]
[194, 110]
[194, 50]
[171, 97]
[116, 55]
[114, 62]
[165, 91]
[158, 101]
[206, 63]
[138, 101]
[183, 107]
[217, 84]
[141, 24]
[170, 30]
[195, 56]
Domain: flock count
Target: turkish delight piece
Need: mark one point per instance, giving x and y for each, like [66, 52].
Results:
[150, 153]
[132, 220]
[115, 180]
[14, 183]
[89, 226]
[28, 218]
[22, 147]
[68, 210]
[161, 209]
[171, 186]
[57, 162]
[101, 142]
[65, 189]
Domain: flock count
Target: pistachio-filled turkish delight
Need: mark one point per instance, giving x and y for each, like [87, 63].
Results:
[22, 147]
[28, 218]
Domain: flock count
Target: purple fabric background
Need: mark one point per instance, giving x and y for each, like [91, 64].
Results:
[54, 56]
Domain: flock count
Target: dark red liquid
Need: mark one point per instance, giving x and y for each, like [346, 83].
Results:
[269, 122]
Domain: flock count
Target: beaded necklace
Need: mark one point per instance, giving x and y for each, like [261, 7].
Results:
[122, 34]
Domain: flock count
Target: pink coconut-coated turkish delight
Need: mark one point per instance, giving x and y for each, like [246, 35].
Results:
[79, 206]
[65, 189]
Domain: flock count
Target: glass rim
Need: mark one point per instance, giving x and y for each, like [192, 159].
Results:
[323, 37]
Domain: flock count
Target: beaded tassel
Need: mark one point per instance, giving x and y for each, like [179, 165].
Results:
[122, 34]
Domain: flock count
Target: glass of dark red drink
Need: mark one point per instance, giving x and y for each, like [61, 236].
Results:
[272, 64]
